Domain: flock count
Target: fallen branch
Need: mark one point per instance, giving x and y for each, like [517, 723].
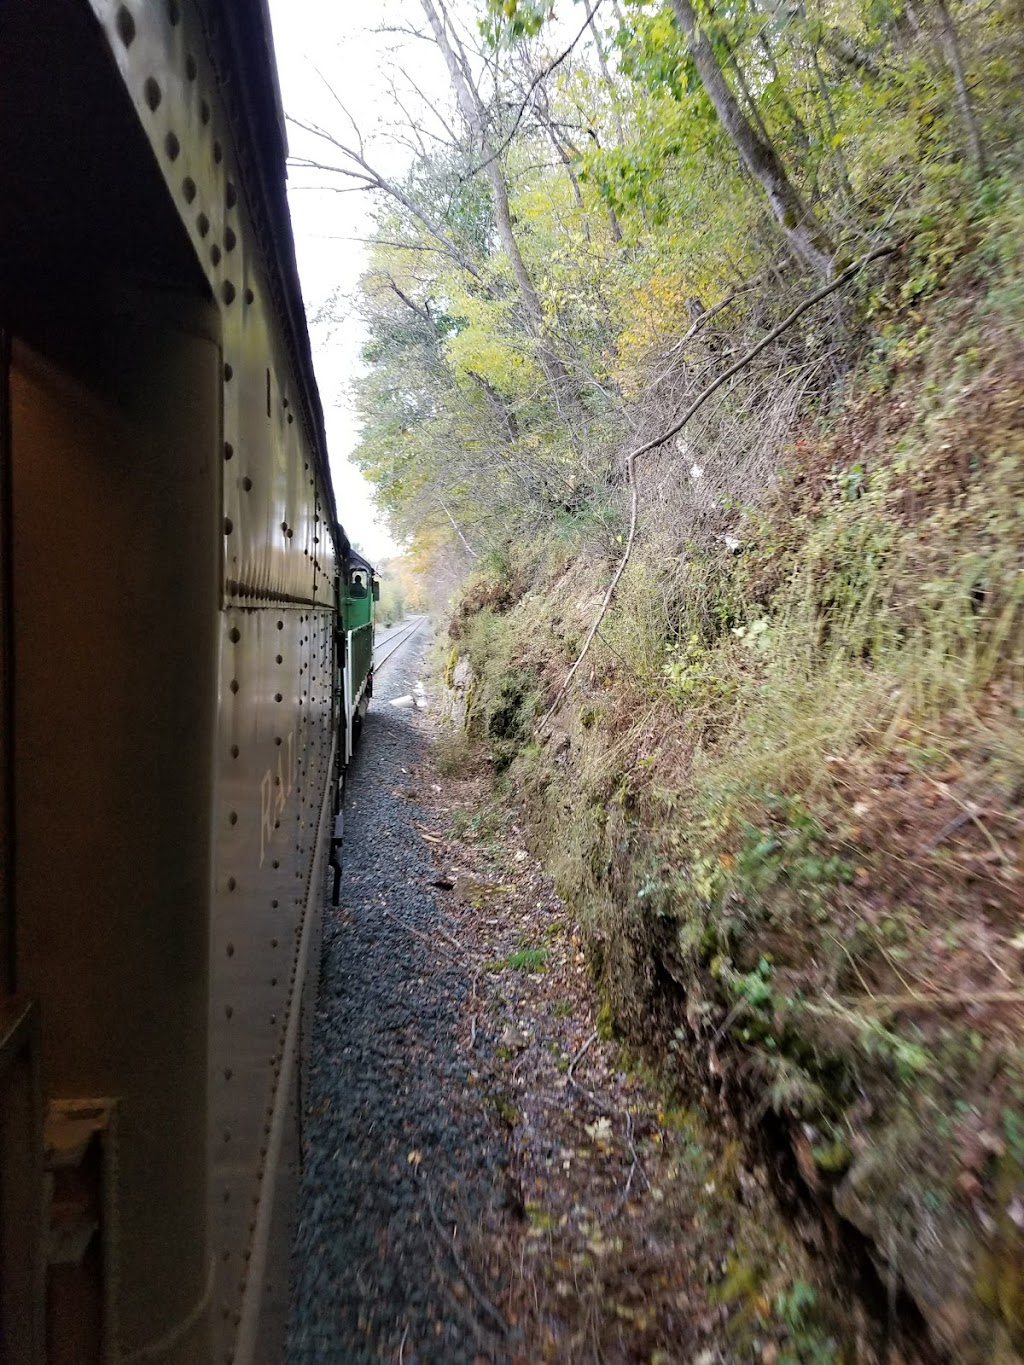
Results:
[570, 1079]
[478, 1294]
[637, 1165]
[842, 278]
[892, 1004]
[951, 827]
[425, 937]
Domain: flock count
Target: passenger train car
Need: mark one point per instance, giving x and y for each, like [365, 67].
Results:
[185, 653]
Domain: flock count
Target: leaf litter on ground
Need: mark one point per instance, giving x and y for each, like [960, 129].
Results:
[636, 1232]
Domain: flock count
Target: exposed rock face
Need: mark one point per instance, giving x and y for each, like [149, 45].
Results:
[936, 1256]
[458, 694]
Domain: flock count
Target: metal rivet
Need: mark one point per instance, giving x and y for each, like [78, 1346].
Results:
[229, 450]
[234, 684]
[275, 864]
[125, 26]
[247, 484]
[233, 818]
[215, 254]
[234, 635]
[202, 225]
[172, 146]
[228, 526]
[273, 943]
[277, 740]
[273, 905]
[234, 751]
[280, 625]
[230, 950]
[280, 658]
[204, 112]
[278, 697]
[249, 296]
[230, 240]
[227, 292]
[188, 189]
[218, 152]
[230, 195]
[151, 94]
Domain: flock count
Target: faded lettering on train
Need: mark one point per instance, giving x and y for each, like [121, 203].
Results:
[275, 789]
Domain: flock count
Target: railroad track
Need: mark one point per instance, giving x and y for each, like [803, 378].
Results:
[395, 640]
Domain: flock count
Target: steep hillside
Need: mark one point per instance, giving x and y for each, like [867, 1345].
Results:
[694, 378]
[785, 795]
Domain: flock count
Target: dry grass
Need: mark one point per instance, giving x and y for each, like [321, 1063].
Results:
[792, 779]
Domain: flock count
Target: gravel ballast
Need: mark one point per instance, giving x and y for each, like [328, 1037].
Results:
[405, 1168]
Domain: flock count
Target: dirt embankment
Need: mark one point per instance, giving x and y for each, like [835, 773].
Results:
[784, 804]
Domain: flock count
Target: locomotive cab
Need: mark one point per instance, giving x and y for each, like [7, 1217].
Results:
[358, 599]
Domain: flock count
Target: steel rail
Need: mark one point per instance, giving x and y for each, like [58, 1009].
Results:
[380, 657]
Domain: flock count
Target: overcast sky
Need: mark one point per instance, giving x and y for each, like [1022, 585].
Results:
[332, 53]
[320, 43]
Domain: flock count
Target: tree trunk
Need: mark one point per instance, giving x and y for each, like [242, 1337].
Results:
[474, 114]
[802, 230]
[504, 414]
[605, 73]
[950, 44]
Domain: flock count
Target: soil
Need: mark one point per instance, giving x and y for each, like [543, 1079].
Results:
[488, 1175]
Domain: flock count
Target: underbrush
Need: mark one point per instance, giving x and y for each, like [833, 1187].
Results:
[786, 798]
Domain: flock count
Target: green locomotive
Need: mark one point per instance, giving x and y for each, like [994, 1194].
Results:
[360, 592]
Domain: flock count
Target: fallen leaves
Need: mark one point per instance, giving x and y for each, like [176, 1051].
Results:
[600, 1131]
[619, 1240]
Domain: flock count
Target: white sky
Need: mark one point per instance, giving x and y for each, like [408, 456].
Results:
[337, 40]
[323, 46]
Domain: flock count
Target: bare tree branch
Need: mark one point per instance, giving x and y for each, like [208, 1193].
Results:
[458, 530]
[634, 455]
[375, 180]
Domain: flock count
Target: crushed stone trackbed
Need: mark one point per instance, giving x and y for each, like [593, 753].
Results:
[399, 1156]
[489, 1178]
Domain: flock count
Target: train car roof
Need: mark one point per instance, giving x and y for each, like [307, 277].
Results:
[354, 557]
[242, 35]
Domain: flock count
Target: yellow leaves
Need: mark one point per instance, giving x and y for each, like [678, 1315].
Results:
[487, 348]
[652, 313]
